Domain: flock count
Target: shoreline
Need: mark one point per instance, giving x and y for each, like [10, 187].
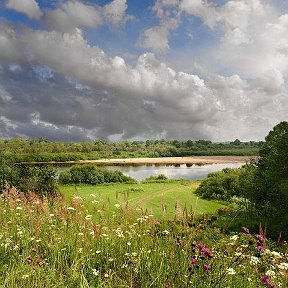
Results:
[200, 160]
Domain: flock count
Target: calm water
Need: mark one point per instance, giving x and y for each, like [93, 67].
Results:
[172, 171]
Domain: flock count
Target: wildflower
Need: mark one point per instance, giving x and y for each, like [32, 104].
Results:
[129, 243]
[25, 276]
[254, 260]
[260, 239]
[166, 232]
[95, 272]
[134, 254]
[193, 261]
[245, 230]
[266, 280]
[276, 254]
[71, 209]
[270, 273]
[283, 266]
[80, 234]
[88, 217]
[106, 275]
[92, 195]
[206, 267]
[98, 251]
[41, 256]
[234, 237]
[18, 208]
[117, 206]
[260, 248]
[230, 271]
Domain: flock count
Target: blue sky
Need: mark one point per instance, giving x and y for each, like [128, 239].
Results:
[77, 70]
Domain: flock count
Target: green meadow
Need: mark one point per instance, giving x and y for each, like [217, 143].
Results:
[165, 200]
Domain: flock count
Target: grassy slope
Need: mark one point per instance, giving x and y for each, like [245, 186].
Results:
[150, 196]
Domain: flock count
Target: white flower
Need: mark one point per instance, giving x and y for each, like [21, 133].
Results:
[283, 266]
[106, 275]
[81, 234]
[92, 195]
[98, 251]
[230, 271]
[18, 208]
[165, 232]
[117, 206]
[134, 254]
[276, 254]
[71, 209]
[95, 272]
[88, 217]
[254, 260]
[95, 202]
[270, 273]
[128, 243]
[234, 237]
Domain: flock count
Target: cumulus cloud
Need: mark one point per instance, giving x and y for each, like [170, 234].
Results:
[27, 7]
[66, 85]
[156, 38]
[76, 14]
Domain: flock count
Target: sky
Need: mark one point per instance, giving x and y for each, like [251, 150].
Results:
[77, 70]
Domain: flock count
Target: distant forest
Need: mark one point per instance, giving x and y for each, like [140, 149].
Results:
[42, 150]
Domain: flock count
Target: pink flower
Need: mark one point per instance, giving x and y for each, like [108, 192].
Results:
[193, 261]
[206, 267]
[266, 280]
[245, 230]
[260, 248]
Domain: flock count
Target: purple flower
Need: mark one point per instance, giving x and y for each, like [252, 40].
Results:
[206, 267]
[41, 256]
[260, 239]
[207, 253]
[266, 280]
[193, 261]
[245, 230]
[201, 247]
[260, 248]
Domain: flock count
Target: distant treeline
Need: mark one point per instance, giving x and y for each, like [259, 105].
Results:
[42, 150]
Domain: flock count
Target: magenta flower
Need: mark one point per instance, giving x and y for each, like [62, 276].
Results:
[266, 280]
[245, 230]
[260, 248]
[201, 247]
[260, 239]
[193, 261]
[207, 253]
[206, 267]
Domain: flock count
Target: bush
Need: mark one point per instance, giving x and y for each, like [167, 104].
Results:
[38, 179]
[158, 178]
[221, 185]
[90, 174]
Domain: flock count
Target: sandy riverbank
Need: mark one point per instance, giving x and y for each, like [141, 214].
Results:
[201, 160]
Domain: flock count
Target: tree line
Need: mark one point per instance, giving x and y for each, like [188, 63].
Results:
[42, 150]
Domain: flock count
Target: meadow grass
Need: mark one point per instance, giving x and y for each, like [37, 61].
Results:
[163, 199]
[56, 243]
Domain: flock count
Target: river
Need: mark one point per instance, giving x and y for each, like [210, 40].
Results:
[188, 171]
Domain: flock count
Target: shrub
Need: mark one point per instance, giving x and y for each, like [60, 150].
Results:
[90, 174]
[221, 185]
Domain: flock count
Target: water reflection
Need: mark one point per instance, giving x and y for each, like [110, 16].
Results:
[177, 171]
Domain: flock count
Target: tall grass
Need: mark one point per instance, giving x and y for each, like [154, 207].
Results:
[53, 243]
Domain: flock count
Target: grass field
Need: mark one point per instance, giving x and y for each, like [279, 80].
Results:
[163, 200]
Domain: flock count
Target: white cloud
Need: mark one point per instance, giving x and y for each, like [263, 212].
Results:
[76, 14]
[115, 12]
[27, 7]
[73, 14]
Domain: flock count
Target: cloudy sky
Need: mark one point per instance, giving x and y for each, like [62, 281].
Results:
[78, 70]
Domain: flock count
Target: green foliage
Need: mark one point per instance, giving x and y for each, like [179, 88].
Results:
[38, 179]
[90, 174]
[41, 150]
[158, 178]
[221, 185]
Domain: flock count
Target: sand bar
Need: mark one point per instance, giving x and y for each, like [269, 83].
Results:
[202, 160]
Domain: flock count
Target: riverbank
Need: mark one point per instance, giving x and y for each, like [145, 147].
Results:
[198, 160]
